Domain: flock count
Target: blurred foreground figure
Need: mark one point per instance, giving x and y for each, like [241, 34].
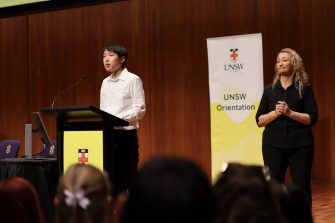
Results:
[83, 196]
[244, 194]
[19, 202]
[169, 190]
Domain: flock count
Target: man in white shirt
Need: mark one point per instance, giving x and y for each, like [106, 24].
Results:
[122, 95]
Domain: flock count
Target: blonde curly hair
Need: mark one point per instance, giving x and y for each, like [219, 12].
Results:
[300, 77]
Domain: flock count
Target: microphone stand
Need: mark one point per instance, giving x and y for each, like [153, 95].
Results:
[66, 89]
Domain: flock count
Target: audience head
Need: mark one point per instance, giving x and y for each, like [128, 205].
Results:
[83, 195]
[293, 203]
[169, 190]
[19, 202]
[244, 195]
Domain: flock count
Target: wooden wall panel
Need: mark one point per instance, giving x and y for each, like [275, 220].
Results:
[14, 98]
[167, 49]
[322, 70]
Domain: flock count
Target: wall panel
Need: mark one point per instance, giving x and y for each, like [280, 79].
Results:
[14, 98]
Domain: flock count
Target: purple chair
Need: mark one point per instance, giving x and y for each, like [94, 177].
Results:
[9, 148]
[49, 151]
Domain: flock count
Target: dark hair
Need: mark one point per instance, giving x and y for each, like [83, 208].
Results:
[119, 50]
[94, 186]
[169, 190]
[19, 202]
[293, 203]
[244, 194]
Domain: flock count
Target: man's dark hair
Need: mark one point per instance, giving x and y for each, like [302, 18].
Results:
[121, 51]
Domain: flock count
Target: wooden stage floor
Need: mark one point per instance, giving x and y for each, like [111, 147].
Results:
[323, 208]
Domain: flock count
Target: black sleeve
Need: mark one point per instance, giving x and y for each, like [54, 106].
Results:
[310, 106]
[263, 105]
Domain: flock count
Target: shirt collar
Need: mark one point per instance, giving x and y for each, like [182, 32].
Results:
[278, 85]
[121, 76]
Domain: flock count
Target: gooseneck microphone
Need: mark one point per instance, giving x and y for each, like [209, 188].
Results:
[68, 88]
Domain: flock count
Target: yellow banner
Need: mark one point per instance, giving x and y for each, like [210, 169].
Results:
[236, 86]
[234, 143]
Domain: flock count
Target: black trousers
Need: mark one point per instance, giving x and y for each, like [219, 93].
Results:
[298, 159]
[125, 159]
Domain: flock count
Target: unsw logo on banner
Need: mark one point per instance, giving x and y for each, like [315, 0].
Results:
[234, 54]
[83, 156]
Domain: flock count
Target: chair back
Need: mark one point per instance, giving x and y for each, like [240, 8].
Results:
[49, 150]
[9, 148]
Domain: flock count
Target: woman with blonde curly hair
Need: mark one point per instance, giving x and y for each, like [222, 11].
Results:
[287, 110]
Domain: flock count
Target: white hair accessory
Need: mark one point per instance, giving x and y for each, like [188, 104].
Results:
[76, 197]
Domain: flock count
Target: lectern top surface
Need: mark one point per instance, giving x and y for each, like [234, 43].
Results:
[73, 112]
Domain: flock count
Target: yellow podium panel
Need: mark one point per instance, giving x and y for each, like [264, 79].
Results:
[83, 147]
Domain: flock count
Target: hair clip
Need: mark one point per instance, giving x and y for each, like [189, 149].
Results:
[266, 172]
[76, 197]
[224, 166]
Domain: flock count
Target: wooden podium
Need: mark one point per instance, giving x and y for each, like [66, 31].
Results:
[84, 133]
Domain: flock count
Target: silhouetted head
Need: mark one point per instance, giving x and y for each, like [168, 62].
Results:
[293, 203]
[19, 202]
[83, 195]
[170, 190]
[243, 194]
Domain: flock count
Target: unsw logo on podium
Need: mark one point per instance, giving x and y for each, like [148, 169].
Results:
[83, 156]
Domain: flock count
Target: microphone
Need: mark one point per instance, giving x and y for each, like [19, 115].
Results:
[68, 88]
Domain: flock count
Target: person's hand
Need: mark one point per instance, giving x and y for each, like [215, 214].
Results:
[279, 109]
[282, 108]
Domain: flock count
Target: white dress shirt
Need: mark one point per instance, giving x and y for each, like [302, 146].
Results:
[123, 97]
